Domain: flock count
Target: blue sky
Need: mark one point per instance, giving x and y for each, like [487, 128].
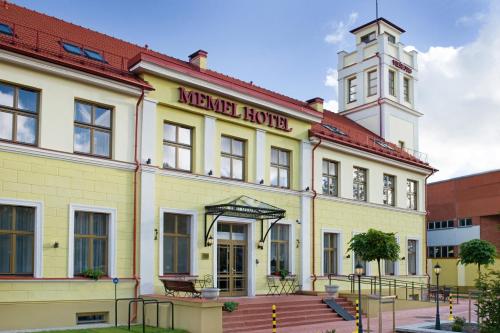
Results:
[276, 44]
[281, 45]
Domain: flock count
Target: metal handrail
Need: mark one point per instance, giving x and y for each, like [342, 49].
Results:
[393, 284]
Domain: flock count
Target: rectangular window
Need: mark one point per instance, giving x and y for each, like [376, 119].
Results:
[368, 37]
[19, 108]
[177, 147]
[411, 194]
[392, 83]
[176, 243]
[91, 242]
[389, 190]
[359, 184]
[17, 231]
[412, 257]
[465, 222]
[280, 248]
[280, 167]
[391, 38]
[330, 178]
[351, 90]
[91, 318]
[406, 89]
[390, 267]
[372, 83]
[232, 158]
[430, 226]
[451, 223]
[330, 253]
[92, 129]
[441, 252]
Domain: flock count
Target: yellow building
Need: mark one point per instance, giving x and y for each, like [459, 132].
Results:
[146, 167]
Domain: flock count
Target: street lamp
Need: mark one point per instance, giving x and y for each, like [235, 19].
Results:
[359, 270]
[437, 270]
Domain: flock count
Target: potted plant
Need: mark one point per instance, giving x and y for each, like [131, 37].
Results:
[94, 274]
[210, 292]
[283, 273]
[332, 290]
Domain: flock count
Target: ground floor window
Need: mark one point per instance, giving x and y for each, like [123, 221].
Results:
[441, 252]
[330, 253]
[390, 267]
[176, 243]
[359, 260]
[280, 248]
[412, 257]
[91, 242]
[17, 233]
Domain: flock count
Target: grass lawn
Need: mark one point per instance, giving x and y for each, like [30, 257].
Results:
[120, 329]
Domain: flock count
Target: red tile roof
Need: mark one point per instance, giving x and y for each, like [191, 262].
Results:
[356, 136]
[39, 35]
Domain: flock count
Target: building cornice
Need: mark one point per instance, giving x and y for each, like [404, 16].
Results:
[152, 68]
[66, 72]
[382, 101]
[64, 156]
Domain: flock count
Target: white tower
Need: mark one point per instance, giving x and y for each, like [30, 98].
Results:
[377, 83]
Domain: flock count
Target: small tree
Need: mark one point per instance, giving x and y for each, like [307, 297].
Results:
[488, 303]
[375, 245]
[477, 251]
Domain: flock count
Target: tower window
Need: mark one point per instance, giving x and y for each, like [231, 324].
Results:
[372, 83]
[351, 90]
[5, 29]
[406, 89]
[391, 38]
[368, 38]
[392, 83]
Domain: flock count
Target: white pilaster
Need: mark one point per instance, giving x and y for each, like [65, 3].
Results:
[148, 132]
[208, 145]
[306, 164]
[260, 150]
[305, 236]
[147, 223]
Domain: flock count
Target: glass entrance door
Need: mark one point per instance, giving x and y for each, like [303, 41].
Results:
[232, 259]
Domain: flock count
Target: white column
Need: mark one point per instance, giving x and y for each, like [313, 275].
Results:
[147, 200]
[305, 246]
[148, 131]
[260, 150]
[305, 165]
[147, 226]
[208, 145]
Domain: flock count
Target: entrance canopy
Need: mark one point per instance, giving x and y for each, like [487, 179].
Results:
[244, 207]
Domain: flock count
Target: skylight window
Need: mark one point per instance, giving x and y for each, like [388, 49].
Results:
[93, 55]
[72, 48]
[383, 145]
[5, 29]
[334, 129]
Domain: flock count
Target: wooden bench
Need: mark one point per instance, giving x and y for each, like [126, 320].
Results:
[174, 287]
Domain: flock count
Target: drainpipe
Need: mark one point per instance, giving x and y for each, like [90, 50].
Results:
[425, 233]
[314, 219]
[136, 172]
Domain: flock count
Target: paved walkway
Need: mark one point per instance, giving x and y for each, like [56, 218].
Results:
[403, 317]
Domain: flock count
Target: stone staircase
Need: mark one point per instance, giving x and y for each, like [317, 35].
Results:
[256, 314]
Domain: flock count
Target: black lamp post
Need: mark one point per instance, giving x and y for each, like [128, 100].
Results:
[359, 270]
[437, 270]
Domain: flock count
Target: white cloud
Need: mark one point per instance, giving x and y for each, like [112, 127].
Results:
[471, 19]
[331, 105]
[459, 96]
[340, 29]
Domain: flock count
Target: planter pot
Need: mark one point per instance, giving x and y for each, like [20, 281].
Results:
[210, 293]
[332, 290]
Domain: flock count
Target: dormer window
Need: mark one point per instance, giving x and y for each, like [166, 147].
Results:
[73, 49]
[93, 55]
[368, 38]
[391, 38]
[6, 29]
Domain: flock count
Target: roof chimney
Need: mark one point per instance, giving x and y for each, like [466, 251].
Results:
[199, 59]
[316, 103]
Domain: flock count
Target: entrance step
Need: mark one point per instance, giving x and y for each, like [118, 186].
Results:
[256, 314]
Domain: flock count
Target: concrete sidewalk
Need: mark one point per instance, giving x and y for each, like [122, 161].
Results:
[403, 317]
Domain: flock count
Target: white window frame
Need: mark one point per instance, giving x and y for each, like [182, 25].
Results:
[418, 255]
[396, 262]
[193, 264]
[340, 250]
[291, 246]
[113, 215]
[38, 232]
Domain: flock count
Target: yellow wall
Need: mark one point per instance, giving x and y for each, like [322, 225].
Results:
[458, 275]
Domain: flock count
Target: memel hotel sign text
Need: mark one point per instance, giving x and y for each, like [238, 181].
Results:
[228, 108]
